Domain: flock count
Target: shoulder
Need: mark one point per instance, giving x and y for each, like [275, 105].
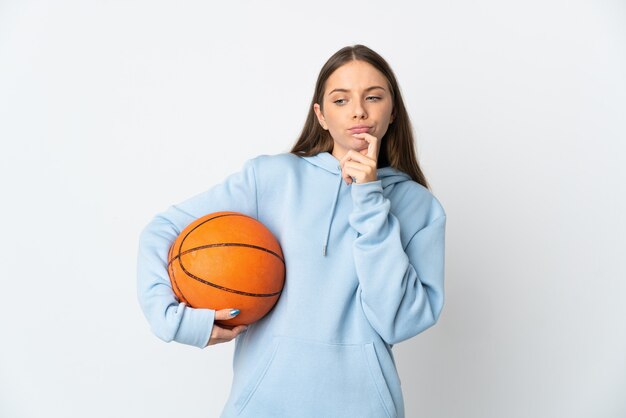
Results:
[270, 170]
[274, 161]
[416, 204]
[421, 197]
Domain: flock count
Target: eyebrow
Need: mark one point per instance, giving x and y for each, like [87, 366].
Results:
[346, 90]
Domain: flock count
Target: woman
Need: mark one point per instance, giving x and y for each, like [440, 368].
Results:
[363, 242]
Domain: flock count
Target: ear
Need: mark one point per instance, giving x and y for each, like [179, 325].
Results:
[320, 116]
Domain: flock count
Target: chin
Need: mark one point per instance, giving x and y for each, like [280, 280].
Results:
[360, 144]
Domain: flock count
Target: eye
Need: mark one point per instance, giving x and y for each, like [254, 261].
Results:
[374, 98]
[339, 100]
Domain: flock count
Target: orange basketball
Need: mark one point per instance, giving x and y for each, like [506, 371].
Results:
[227, 260]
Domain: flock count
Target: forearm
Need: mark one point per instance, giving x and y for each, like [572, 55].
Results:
[168, 319]
[401, 289]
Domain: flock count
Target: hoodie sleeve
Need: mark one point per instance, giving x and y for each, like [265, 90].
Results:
[169, 319]
[401, 289]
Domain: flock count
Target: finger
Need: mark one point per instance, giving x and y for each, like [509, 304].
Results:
[356, 173]
[346, 177]
[228, 334]
[350, 155]
[354, 169]
[356, 161]
[342, 162]
[225, 314]
[373, 144]
[347, 174]
[356, 157]
[240, 329]
[222, 335]
[359, 161]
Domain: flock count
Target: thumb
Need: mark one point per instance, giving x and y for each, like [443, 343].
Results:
[224, 314]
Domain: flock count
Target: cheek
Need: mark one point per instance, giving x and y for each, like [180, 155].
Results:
[388, 112]
[384, 120]
[331, 119]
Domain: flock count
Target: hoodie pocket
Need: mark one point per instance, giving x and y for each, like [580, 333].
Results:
[314, 379]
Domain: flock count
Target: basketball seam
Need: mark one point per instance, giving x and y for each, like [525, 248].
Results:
[240, 292]
[227, 244]
[174, 281]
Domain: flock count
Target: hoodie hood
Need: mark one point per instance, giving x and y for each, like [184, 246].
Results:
[386, 175]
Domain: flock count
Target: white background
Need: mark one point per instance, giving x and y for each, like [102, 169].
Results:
[110, 111]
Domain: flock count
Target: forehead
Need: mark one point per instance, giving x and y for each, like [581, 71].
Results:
[355, 75]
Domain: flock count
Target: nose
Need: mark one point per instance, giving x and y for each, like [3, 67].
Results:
[359, 110]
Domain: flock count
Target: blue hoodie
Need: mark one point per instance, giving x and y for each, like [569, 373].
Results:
[364, 270]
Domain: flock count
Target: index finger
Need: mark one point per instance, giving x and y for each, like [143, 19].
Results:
[372, 146]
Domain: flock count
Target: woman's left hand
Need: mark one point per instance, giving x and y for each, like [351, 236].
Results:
[360, 166]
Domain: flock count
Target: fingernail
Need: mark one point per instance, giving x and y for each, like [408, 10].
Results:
[234, 312]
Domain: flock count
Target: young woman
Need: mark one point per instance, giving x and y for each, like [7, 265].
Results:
[363, 242]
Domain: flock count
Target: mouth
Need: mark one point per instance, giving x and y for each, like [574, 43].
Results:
[359, 129]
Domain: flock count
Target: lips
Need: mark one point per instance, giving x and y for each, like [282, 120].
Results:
[359, 129]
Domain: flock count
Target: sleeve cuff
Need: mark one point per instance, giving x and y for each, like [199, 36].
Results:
[366, 195]
[195, 327]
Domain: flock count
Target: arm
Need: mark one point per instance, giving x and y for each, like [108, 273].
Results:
[401, 290]
[169, 319]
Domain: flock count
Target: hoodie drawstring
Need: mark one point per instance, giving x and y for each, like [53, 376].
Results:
[332, 214]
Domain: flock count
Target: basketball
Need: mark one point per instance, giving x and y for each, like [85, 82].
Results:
[227, 260]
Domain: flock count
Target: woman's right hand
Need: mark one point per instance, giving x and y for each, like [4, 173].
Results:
[223, 335]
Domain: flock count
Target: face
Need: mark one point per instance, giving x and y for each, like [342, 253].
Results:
[356, 99]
